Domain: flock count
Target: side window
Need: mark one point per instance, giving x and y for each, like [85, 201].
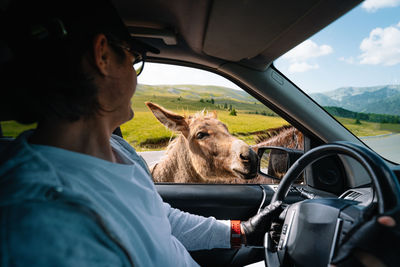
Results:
[192, 126]
[13, 128]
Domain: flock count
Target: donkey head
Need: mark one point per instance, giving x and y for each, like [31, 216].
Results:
[214, 153]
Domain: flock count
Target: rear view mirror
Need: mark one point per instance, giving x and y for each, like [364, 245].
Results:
[275, 161]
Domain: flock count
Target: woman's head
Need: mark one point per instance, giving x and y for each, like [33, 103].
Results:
[53, 67]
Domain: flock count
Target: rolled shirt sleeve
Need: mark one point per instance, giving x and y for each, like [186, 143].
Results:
[198, 232]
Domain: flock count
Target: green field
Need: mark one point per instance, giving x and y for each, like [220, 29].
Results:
[144, 132]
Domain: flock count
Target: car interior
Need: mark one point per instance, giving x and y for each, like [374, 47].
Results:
[239, 40]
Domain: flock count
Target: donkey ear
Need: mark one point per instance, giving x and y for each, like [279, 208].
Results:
[214, 114]
[171, 120]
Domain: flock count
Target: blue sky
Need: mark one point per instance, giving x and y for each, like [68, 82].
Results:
[360, 49]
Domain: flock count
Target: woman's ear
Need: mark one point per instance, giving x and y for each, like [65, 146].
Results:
[101, 53]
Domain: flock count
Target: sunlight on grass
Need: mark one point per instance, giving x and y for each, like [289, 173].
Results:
[142, 127]
[369, 128]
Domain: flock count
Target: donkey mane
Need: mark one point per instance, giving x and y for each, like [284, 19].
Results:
[285, 136]
[271, 133]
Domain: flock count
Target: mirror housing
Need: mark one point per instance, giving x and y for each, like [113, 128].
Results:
[274, 161]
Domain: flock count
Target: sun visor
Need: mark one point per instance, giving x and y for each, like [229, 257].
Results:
[247, 35]
[143, 47]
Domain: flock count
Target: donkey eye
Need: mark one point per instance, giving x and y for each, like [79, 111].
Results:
[201, 135]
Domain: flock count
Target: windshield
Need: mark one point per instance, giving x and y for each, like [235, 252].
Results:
[352, 69]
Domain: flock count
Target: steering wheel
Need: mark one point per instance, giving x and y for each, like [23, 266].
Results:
[313, 228]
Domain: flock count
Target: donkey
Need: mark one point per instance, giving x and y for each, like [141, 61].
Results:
[203, 152]
[284, 136]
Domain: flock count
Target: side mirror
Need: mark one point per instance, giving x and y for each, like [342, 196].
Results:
[275, 161]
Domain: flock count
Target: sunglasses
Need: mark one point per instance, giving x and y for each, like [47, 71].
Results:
[138, 63]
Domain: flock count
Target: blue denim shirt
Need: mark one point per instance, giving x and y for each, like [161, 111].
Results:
[61, 208]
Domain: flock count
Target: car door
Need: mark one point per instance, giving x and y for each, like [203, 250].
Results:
[222, 201]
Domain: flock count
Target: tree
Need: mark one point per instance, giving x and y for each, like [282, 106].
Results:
[233, 112]
[225, 106]
[201, 100]
[230, 107]
[212, 100]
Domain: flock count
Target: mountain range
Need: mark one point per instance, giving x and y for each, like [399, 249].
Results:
[383, 99]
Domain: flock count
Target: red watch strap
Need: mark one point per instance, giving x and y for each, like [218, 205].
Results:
[236, 234]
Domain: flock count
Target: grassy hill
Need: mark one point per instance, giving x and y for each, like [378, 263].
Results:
[197, 97]
[195, 92]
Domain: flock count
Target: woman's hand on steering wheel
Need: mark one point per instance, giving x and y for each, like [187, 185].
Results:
[255, 228]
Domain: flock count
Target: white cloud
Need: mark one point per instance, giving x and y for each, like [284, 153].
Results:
[382, 46]
[300, 56]
[302, 67]
[349, 60]
[374, 5]
[306, 50]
